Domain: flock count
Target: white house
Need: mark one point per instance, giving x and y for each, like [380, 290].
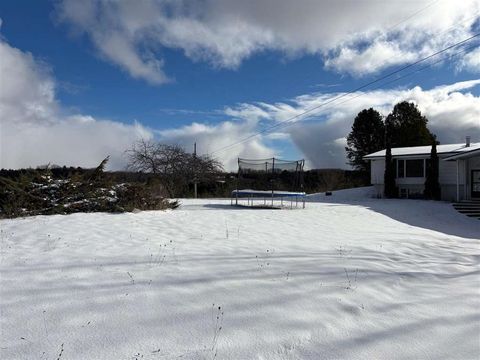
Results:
[459, 170]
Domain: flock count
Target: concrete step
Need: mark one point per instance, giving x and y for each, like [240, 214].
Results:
[475, 215]
[467, 204]
[468, 208]
[474, 211]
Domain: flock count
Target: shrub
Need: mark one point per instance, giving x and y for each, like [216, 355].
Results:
[39, 193]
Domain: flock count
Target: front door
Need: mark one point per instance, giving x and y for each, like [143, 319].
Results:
[475, 183]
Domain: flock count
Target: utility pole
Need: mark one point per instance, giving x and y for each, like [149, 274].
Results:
[195, 169]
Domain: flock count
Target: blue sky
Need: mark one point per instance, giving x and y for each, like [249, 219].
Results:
[182, 86]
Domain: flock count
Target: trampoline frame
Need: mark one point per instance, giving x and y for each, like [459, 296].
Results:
[268, 198]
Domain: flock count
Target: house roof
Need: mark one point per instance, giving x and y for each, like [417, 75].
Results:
[447, 149]
[464, 154]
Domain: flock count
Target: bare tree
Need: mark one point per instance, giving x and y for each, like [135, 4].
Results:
[175, 167]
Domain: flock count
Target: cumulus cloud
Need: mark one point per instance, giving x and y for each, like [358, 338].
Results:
[349, 37]
[453, 112]
[210, 138]
[119, 30]
[470, 62]
[36, 130]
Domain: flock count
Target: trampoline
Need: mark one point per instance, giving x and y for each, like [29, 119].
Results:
[282, 178]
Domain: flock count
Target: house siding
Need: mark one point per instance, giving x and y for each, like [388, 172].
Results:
[455, 170]
[377, 171]
[448, 172]
[447, 178]
[449, 192]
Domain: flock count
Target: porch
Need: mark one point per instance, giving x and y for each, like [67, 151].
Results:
[467, 186]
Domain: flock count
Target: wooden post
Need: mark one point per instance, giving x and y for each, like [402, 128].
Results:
[273, 174]
[195, 170]
[458, 181]
[236, 185]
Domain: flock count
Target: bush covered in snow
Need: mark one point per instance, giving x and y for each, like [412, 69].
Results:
[39, 193]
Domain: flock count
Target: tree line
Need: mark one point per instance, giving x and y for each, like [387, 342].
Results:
[405, 126]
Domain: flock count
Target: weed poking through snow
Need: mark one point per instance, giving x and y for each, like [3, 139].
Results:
[263, 261]
[132, 280]
[351, 284]
[45, 326]
[161, 255]
[60, 353]
[343, 252]
[217, 321]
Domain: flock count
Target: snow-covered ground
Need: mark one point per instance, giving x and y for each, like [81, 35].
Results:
[348, 277]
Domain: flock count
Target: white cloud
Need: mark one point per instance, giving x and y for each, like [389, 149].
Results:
[471, 61]
[452, 110]
[118, 36]
[377, 56]
[34, 129]
[213, 137]
[350, 37]
[27, 92]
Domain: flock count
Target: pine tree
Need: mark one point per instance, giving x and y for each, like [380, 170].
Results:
[390, 187]
[432, 185]
[366, 137]
[406, 126]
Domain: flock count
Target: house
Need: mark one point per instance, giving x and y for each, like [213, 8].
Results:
[459, 170]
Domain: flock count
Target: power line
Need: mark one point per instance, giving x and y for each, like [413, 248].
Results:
[396, 79]
[289, 120]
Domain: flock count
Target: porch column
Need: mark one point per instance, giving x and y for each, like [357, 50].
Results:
[458, 180]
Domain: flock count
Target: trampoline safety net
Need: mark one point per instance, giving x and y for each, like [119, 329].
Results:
[271, 165]
[270, 183]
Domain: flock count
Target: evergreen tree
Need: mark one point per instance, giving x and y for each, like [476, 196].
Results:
[367, 136]
[432, 185]
[390, 187]
[406, 126]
